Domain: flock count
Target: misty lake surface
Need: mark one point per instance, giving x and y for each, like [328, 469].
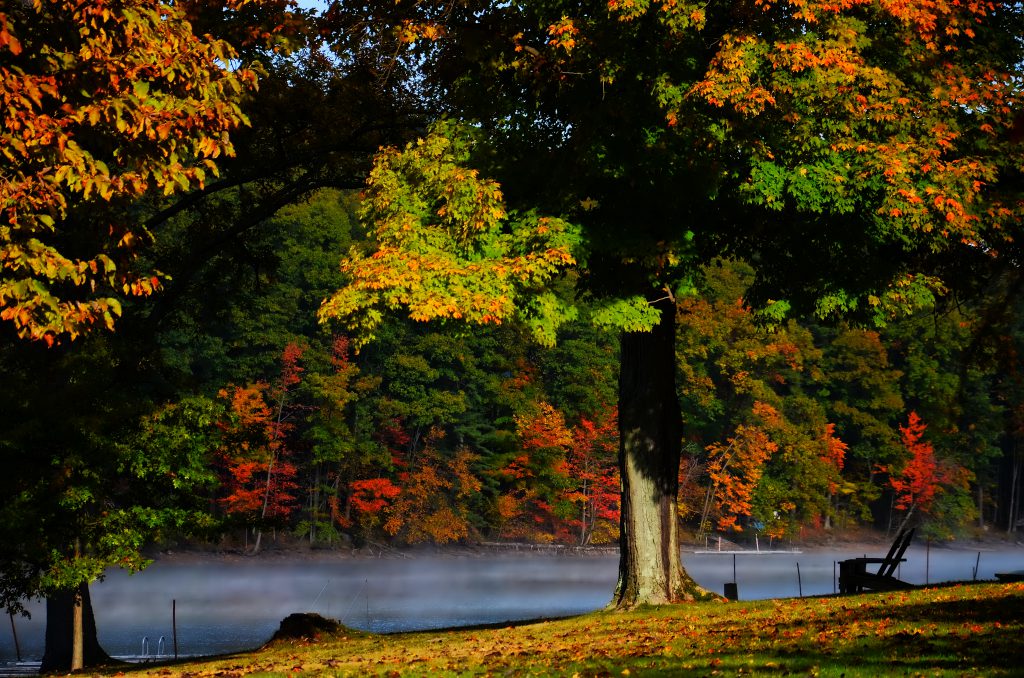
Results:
[236, 603]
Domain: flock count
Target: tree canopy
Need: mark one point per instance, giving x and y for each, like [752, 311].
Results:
[128, 102]
[847, 151]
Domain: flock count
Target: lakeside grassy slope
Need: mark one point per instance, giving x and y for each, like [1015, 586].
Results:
[956, 630]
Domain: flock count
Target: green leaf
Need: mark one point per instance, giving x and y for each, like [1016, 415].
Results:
[632, 314]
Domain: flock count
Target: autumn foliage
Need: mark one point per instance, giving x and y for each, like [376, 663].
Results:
[373, 494]
[833, 454]
[922, 478]
[735, 469]
[532, 480]
[100, 103]
[863, 155]
[564, 484]
[917, 485]
[882, 127]
[447, 248]
[258, 474]
[593, 471]
[434, 500]
[257, 477]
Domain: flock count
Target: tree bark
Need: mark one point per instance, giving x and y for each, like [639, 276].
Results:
[650, 444]
[60, 621]
[77, 633]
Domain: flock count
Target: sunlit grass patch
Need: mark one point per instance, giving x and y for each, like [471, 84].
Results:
[955, 630]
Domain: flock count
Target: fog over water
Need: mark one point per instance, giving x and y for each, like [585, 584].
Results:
[236, 603]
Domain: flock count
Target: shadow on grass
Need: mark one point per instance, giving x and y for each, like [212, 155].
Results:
[897, 654]
[852, 636]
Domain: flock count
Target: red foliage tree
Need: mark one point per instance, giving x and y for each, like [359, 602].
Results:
[257, 472]
[369, 499]
[923, 477]
[833, 455]
[536, 478]
[396, 439]
[593, 470]
[918, 482]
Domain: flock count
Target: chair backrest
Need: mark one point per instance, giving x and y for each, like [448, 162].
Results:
[895, 555]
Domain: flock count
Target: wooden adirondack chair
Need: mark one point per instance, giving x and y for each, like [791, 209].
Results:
[854, 577]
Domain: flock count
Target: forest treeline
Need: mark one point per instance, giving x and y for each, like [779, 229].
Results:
[254, 418]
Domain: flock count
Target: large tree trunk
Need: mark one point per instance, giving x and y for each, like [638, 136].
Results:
[650, 442]
[60, 636]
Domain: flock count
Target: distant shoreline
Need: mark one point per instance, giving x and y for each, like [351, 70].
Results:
[295, 551]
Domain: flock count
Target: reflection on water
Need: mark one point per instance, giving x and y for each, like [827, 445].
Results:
[237, 603]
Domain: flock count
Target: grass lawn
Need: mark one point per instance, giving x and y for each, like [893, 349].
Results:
[958, 630]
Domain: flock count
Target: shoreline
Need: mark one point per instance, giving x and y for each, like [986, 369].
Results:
[375, 551]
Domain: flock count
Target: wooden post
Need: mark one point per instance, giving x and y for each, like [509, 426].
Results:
[174, 626]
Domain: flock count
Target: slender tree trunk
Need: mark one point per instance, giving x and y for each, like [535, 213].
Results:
[906, 518]
[709, 496]
[1011, 514]
[348, 507]
[650, 444]
[583, 516]
[77, 634]
[270, 467]
[892, 508]
[259, 539]
[314, 505]
[981, 506]
[61, 619]
[77, 630]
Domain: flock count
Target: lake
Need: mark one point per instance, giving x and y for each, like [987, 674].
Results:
[236, 603]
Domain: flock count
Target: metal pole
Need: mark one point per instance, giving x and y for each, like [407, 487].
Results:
[14, 632]
[799, 581]
[174, 626]
[977, 564]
